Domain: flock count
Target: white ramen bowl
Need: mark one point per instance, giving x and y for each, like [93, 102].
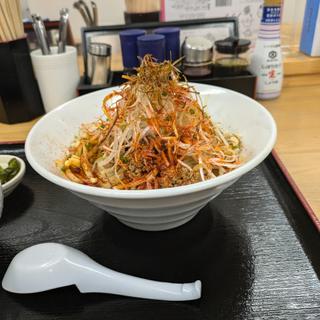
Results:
[159, 209]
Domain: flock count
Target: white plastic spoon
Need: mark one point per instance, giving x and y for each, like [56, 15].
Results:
[51, 265]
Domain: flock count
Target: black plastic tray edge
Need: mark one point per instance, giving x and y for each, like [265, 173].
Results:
[297, 215]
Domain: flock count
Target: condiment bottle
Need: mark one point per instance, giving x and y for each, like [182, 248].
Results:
[99, 63]
[266, 60]
[129, 48]
[153, 44]
[172, 35]
[231, 56]
[198, 53]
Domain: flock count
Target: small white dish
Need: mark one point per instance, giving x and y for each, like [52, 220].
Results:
[9, 186]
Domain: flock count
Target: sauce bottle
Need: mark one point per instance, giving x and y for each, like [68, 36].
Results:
[231, 57]
[266, 60]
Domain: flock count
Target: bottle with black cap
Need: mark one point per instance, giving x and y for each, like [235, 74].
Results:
[231, 57]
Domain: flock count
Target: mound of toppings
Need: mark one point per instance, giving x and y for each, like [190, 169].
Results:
[155, 133]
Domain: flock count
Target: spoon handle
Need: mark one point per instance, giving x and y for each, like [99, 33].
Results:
[104, 280]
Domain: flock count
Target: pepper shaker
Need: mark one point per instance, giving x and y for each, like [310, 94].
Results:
[99, 63]
[153, 44]
[172, 41]
[198, 53]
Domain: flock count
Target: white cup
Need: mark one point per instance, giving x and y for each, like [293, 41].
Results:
[57, 76]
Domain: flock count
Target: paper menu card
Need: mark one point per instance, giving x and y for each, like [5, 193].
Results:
[247, 11]
[214, 33]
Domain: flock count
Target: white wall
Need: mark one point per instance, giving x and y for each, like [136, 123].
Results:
[293, 11]
[110, 12]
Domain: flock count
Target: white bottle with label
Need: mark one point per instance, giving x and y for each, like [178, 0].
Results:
[266, 60]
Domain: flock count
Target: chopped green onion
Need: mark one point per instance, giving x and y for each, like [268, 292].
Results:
[8, 173]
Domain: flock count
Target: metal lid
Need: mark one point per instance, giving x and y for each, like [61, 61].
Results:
[167, 31]
[151, 38]
[132, 33]
[100, 49]
[197, 49]
[232, 45]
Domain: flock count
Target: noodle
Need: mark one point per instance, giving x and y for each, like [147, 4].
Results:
[154, 134]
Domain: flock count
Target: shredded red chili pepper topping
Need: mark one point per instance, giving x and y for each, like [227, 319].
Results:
[154, 133]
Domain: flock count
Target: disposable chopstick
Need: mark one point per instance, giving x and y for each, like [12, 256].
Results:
[19, 14]
[11, 25]
[8, 18]
[3, 30]
[4, 25]
[128, 6]
[2, 35]
[17, 17]
[142, 6]
[12, 14]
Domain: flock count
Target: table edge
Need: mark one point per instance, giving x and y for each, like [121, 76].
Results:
[296, 190]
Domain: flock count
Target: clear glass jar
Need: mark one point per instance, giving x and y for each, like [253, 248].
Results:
[231, 57]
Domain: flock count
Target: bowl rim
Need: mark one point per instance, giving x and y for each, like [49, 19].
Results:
[154, 193]
[16, 179]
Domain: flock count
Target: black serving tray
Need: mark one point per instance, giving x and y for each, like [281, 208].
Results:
[254, 248]
[244, 83]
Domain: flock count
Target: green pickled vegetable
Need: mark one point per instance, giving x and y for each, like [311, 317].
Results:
[6, 174]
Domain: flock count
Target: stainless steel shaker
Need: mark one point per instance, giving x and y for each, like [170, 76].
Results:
[99, 63]
[198, 53]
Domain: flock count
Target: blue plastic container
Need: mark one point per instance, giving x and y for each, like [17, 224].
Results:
[152, 44]
[129, 49]
[172, 35]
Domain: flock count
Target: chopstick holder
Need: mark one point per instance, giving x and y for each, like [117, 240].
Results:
[20, 98]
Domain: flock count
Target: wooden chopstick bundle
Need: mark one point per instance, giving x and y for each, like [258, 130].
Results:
[142, 6]
[11, 25]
